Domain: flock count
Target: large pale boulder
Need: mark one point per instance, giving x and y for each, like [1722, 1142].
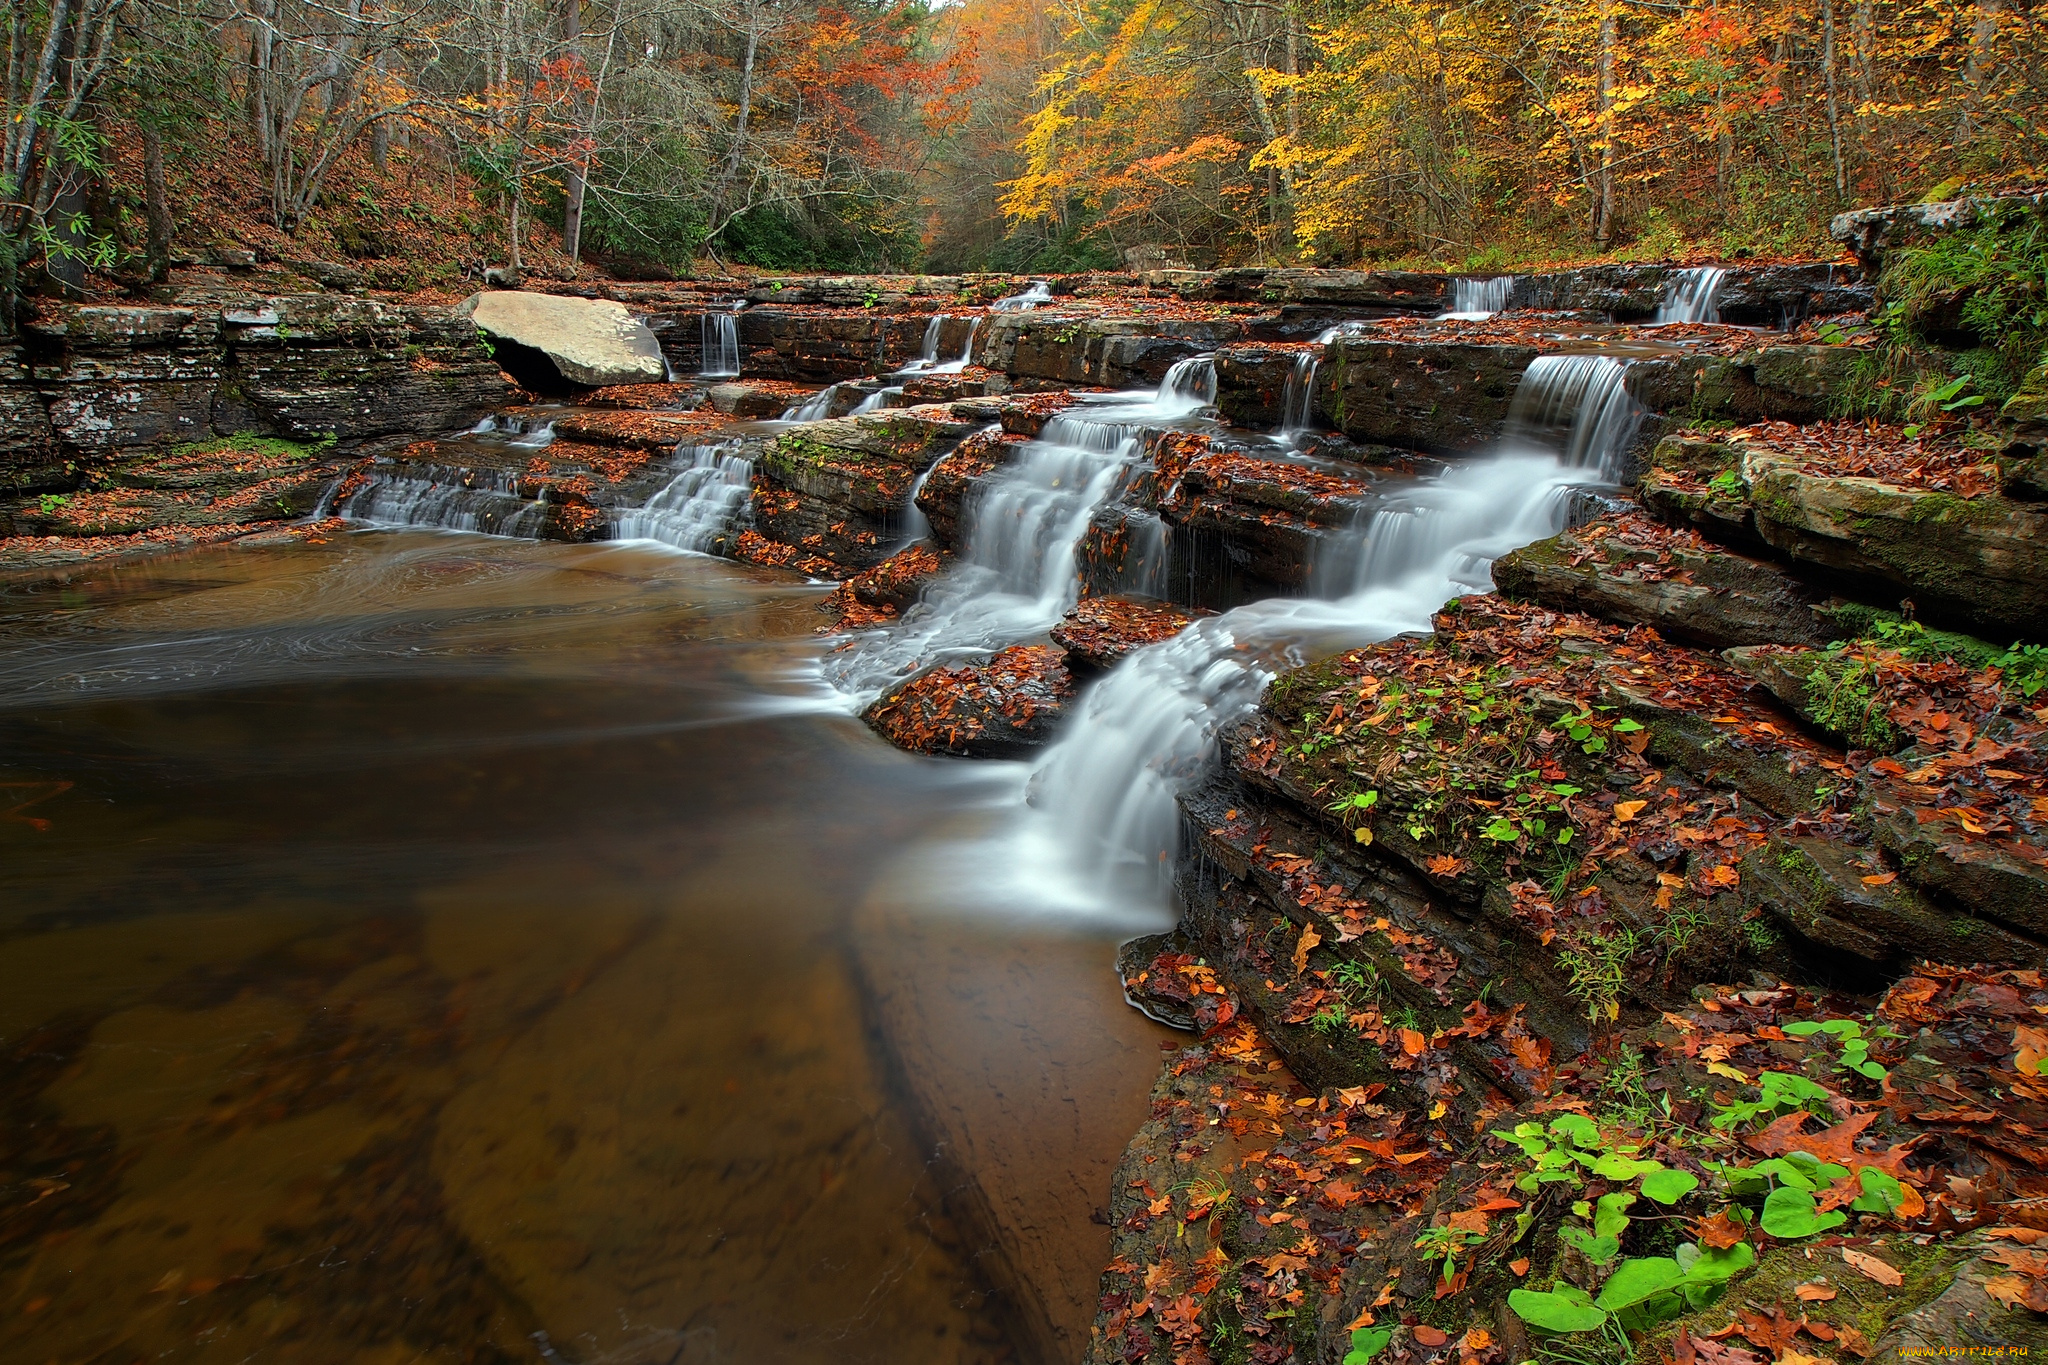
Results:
[584, 341]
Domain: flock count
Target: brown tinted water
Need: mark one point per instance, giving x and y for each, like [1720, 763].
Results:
[423, 946]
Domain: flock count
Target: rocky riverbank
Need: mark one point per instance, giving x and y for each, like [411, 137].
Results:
[1646, 942]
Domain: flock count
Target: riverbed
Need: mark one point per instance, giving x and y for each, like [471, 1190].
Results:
[436, 946]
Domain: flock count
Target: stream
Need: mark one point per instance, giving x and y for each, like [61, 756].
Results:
[432, 944]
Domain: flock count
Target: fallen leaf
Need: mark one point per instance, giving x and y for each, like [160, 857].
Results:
[1719, 1232]
[1520, 1265]
[1413, 1043]
[1477, 1339]
[2024, 1236]
[1871, 1266]
[1814, 1291]
[1309, 939]
[1881, 879]
[1625, 811]
[1430, 1336]
[1853, 1341]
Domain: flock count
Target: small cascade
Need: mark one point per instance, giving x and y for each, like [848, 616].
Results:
[915, 525]
[1188, 385]
[1106, 828]
[449, 499]
[967, 351]
[928, 353]
[1473, 298]
[1020, 527]
[1298, 397]
[816, 408]
[1689, 295]
[1578, 406]
[1039, 292]
[721, 337]
[698, 505]
[875, 401]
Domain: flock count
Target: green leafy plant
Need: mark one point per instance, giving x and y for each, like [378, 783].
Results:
[1597, 972]
[1367, 1342]
[1449, 1243]
[1855, 1054]
[1778, 1092]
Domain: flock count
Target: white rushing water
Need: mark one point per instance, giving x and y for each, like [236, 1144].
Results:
[1020, 527]
[1474, 298]
[698, 505]
[1689, 295]
[1298, 396]
[720, 333]
[1104, 827]
[1039, 292]
[816, 408]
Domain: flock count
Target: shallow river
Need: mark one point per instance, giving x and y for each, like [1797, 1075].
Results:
[423, 946]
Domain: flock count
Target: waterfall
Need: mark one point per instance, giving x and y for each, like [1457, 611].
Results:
[928, 353]
[915, 526]
[1105, 824]
[1189, 384]
[816, 408]
[1579, 406]
[1020, 526]
[720, 333]
[1298, 397]
[698, 505]
[449, 499]
[878, 399]
[967, 351]
[1689, 295]
[1480, 298]
[1039, 292]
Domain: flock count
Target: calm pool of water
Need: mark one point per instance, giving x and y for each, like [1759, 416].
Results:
[425, 946]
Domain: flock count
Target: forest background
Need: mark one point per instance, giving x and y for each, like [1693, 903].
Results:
[652, 138]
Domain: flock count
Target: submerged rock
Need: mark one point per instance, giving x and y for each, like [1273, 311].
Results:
[546, 340]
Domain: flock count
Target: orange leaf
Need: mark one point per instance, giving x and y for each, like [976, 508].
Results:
[1876, 1269]
[1413, 1043]
[1814, 1291]
[1520, 1265]
[1430, 1336]
[1625, 811]
[1881, 879]
[1309, 939]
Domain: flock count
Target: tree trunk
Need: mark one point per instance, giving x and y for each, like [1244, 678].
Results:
[1603, 209]
[156, 206]
[1827, 66]
[572, 207]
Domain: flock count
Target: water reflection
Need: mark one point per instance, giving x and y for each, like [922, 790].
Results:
[465, 948]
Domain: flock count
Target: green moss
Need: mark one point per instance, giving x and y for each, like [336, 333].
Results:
[251, 443]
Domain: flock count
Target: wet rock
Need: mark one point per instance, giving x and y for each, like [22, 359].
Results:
[1151, 968]
[1448, 397]
[1002, 707]
[1630, 569]
[752, 400]
[1251, 381]
[1100, 631]
[885, 591]
[29, 458]
[814, 345]
[945, 489]
[881, 291]
[1755, 296]
[1117, 352]
[650, 431]
[546, 340]
[838, 490]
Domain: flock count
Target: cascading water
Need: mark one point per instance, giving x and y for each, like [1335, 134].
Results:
[1689, 295]
[1298, 397]
[816, 408]
[967, 351]
[448, 498]
[874, 401]
[698, 505]
[1106, 823]
[720, 333]
[1039, 292]
[1472, 299]
[1020, 527]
